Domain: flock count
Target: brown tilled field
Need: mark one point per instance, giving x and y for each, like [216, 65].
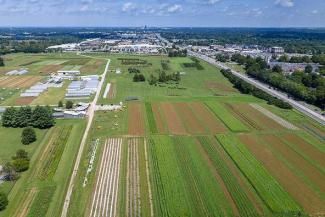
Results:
[174, 123]
[296, 160]
[112, 91]
[306, 148]
[158, 118]
[50, 69]
[24, 100]
[136, 124]
[192, 124]
[212, 123]
[295, 186]
[19, 81]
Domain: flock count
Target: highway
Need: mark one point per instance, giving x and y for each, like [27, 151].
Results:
[297, 105]
[90, 115]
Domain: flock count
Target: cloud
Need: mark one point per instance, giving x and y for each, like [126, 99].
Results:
[174, 8]
[128, 6]
[285, 3]
[211, 2]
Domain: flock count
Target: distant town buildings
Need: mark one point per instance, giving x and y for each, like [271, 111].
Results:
[277, 50]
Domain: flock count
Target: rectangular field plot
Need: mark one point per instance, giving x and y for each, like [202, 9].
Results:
[293, 184]
[105, 195]
[136, 124]
[182, 182]
[18, 81]
[135, 192]
[253, 118]
[50, 62]
[271, 192]
[227, 117]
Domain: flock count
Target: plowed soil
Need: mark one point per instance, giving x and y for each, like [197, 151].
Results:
[24, 100]
[50, 69]
[19, 81]
[212, 123]
[296, 160]
[174, 123]
[136, 125]
[295, 187]
[158, 118]
[306, 148]
[190, 121]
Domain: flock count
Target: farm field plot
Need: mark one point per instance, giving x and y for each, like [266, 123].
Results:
[296, 187]
[34, 195]
[19, 81]
[255, 119]
[271, 192]
[136, 124]
[104, 199]
[227, 117]
[174, 123]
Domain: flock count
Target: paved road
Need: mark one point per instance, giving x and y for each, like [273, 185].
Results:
[298, 105]
[90, 114]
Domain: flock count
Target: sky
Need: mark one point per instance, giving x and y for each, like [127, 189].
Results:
[163, 13]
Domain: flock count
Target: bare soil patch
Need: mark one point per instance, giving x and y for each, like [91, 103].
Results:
[112, 91]
[136, 125]
[174, 123]
[295, 187]
[190, 121]
[213, 124]
[316, 176]
[158, 118]
[24, 100]
[50, 69]
[19, 81]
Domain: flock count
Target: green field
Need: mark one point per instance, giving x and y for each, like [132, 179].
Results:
[183, 151]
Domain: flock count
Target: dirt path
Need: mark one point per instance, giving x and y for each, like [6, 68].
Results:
[24, 209]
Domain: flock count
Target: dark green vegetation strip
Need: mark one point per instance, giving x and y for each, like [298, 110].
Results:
[244, 205]
[41, 202]
[151, 118]
[270, 191]
[226, 117]
[201, 183]
[57, 147]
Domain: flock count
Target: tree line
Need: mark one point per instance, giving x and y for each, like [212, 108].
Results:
[163, 77]
[247, 88]
[2, 62]
[195, 64]
[305, 86]
[39, 117]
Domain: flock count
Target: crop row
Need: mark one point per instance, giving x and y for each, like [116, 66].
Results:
[168, 185]
[57, 146]
[227, 118]
[207, 196]
[270, 191]
[151, 118]
[244, 205]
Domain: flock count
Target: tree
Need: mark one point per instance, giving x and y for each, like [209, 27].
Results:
[69, 105]
[28, 136]
[2, 62]
[3, 201]
[20, 161]
[8, 117]
[277, 69]
[308, 69]
[152, 80]
[42, 117]
[23, 116]
[60, 104]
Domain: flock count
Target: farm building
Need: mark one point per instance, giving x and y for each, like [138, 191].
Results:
[68, 74]
[82, 89]
[17, 72]
[74, 114]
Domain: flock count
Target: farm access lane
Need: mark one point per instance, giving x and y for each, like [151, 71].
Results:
[296, 104]
[90, 115]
